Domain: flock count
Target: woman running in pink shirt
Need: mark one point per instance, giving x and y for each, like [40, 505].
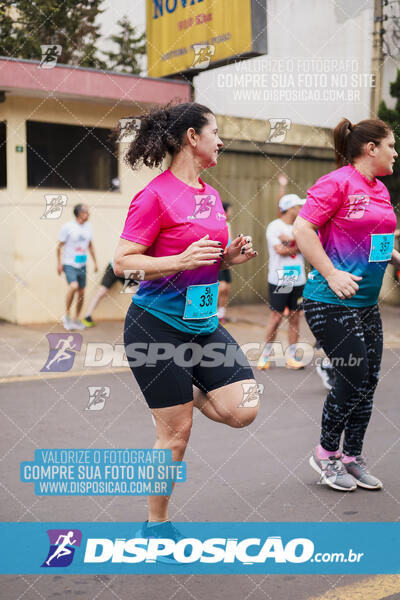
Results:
[355, 220]
[176, 233]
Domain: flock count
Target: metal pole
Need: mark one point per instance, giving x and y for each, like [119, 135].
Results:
[377, 58]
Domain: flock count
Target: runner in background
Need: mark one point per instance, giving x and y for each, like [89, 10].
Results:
[286, 279]
[74, 242]
[352, 212]
[224, 275]
[108, 280]
[283, 182]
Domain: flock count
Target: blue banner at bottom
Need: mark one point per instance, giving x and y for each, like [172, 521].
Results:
[191, 548]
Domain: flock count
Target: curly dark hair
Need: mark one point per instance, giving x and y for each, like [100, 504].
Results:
[162, 130]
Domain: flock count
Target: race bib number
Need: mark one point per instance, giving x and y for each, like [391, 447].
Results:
[381, 247]
[201, 301]
[81, 258]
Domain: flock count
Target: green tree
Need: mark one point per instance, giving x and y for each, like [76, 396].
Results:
[25, 25]
[392, 117]
[130, 46]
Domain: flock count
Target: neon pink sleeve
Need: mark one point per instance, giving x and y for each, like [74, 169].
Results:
[143, 222]
[323, 201]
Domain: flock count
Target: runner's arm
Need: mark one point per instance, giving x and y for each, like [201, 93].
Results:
[342, 283]
[58, 252]
[284, 250]
[279, 241]
[395, 260]
[129, 256]
[307, 240]
[93, 255]
[289, 242]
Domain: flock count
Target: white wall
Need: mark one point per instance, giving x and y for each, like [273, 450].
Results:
[32, 290]
[300, 32]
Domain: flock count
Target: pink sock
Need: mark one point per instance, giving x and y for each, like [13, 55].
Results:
[322, 453]
[348, 459]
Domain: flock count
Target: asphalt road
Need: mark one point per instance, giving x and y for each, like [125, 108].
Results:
[260, 473]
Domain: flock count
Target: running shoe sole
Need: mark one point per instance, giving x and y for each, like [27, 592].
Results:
[366, 486]
[314, 465]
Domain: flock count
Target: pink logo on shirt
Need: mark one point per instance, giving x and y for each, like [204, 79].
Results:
[357, 204]
[203, 206]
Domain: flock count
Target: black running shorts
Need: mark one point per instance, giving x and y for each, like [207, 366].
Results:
[279, 299]
[109, 277]
[225, 275]
[167, 362]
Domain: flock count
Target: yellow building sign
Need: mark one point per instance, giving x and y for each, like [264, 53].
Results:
[190, 35]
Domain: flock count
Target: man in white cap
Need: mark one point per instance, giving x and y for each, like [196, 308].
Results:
[286, 280]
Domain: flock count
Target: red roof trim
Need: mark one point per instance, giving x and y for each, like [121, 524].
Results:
[66, 80]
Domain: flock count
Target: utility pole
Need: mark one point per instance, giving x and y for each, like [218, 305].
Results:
[377, 58]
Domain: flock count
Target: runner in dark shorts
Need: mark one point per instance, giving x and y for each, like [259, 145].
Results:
[225, 275]
[286, 279]
[108, 280]
[174, 233]
[278, 301]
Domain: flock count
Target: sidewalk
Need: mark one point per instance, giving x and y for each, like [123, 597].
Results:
[24, 349]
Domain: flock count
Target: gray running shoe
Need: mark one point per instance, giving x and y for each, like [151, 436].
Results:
[359, 470]
[67, 323]
[333, 473]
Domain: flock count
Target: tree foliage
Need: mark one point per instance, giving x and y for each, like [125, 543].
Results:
[25, 25]
[28, 24]
[130, 46]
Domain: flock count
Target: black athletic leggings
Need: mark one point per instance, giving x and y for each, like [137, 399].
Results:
[352, 339]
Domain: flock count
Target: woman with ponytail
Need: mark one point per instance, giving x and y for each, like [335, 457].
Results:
[175, 233]
[352, 212]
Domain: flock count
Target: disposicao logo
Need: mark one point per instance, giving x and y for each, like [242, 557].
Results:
[62, 350]
[62, 547]
[189, 550]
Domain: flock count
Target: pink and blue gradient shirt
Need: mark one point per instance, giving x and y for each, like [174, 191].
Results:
[168, 215]
[356, 224]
